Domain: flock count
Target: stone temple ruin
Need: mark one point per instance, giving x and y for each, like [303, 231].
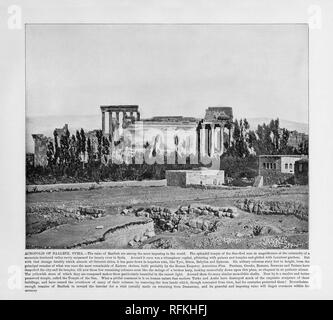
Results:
[130, 135]
[164, 134]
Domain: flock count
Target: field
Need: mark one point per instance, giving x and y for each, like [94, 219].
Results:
[54, 211]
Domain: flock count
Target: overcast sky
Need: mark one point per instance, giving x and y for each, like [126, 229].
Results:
[259, 70]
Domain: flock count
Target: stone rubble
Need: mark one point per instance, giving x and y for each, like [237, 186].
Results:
[90, 212]
[195, 217]
[299, 210]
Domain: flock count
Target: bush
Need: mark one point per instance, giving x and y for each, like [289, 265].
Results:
[237, 168]
[257, 230]
[101, 172]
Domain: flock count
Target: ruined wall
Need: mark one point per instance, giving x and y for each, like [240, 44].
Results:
[205, 177]
[159, 138]
[176, 178]
[218, 113]
[296, 138]
[184, 178]
[41, 143]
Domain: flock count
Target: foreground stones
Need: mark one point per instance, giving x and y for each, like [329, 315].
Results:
[297, 209]
[195, 217]
[138, 240]
[90, 211]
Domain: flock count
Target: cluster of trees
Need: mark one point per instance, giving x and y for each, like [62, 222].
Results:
[69, 154]
[266, 139]
[76, 157]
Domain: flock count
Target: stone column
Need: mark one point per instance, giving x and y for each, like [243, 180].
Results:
[230, 135]
[207, 140]
[213, 142]
[222, 139]
[218, 139]
[197, 142]
[110, 123]
[202, 140]
[117, 127]
[103, 122]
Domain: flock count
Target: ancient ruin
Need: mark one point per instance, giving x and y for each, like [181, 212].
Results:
[128, 134]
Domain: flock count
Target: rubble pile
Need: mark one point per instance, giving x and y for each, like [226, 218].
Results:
[138, 240]
[90, 212]
[297, 209]
[198, 217]
[164, 218]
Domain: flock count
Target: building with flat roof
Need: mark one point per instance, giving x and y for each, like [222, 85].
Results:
[278, 169]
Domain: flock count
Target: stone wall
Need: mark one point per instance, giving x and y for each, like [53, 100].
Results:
[41, 143]
[176, 178]
[185, 178]
[205, 177]
[275, 177]
[263, 207]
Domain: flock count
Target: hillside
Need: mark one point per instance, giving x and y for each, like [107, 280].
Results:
[290, 125]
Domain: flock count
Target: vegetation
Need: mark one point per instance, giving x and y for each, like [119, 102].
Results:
[266, 139]
[75, 158]
[240, 162]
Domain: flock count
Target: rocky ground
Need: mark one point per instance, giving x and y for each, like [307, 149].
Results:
[185, 218]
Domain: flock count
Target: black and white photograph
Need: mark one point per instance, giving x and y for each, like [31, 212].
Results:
[167, 136]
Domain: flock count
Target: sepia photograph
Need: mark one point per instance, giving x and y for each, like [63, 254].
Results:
[167, 136]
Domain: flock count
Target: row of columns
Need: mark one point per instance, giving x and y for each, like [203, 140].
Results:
[211, 139]
[137, 118]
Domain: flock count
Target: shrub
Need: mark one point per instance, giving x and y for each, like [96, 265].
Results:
[257, 230]
[236, 167]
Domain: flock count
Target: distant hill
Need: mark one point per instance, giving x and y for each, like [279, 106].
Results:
[289, 125]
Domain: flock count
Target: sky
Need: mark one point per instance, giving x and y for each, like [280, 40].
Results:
[258, 70]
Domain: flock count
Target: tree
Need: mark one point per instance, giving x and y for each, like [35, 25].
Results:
[99, 136]
[240, 145]
[284, 148]
[56, 147]
[83, 145]
[50, 154]
[89, 150]
[176, 141]
[64, 151]
[105, 148]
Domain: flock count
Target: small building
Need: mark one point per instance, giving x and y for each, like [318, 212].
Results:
[187, 178]
[278, 169]
[302, 171]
